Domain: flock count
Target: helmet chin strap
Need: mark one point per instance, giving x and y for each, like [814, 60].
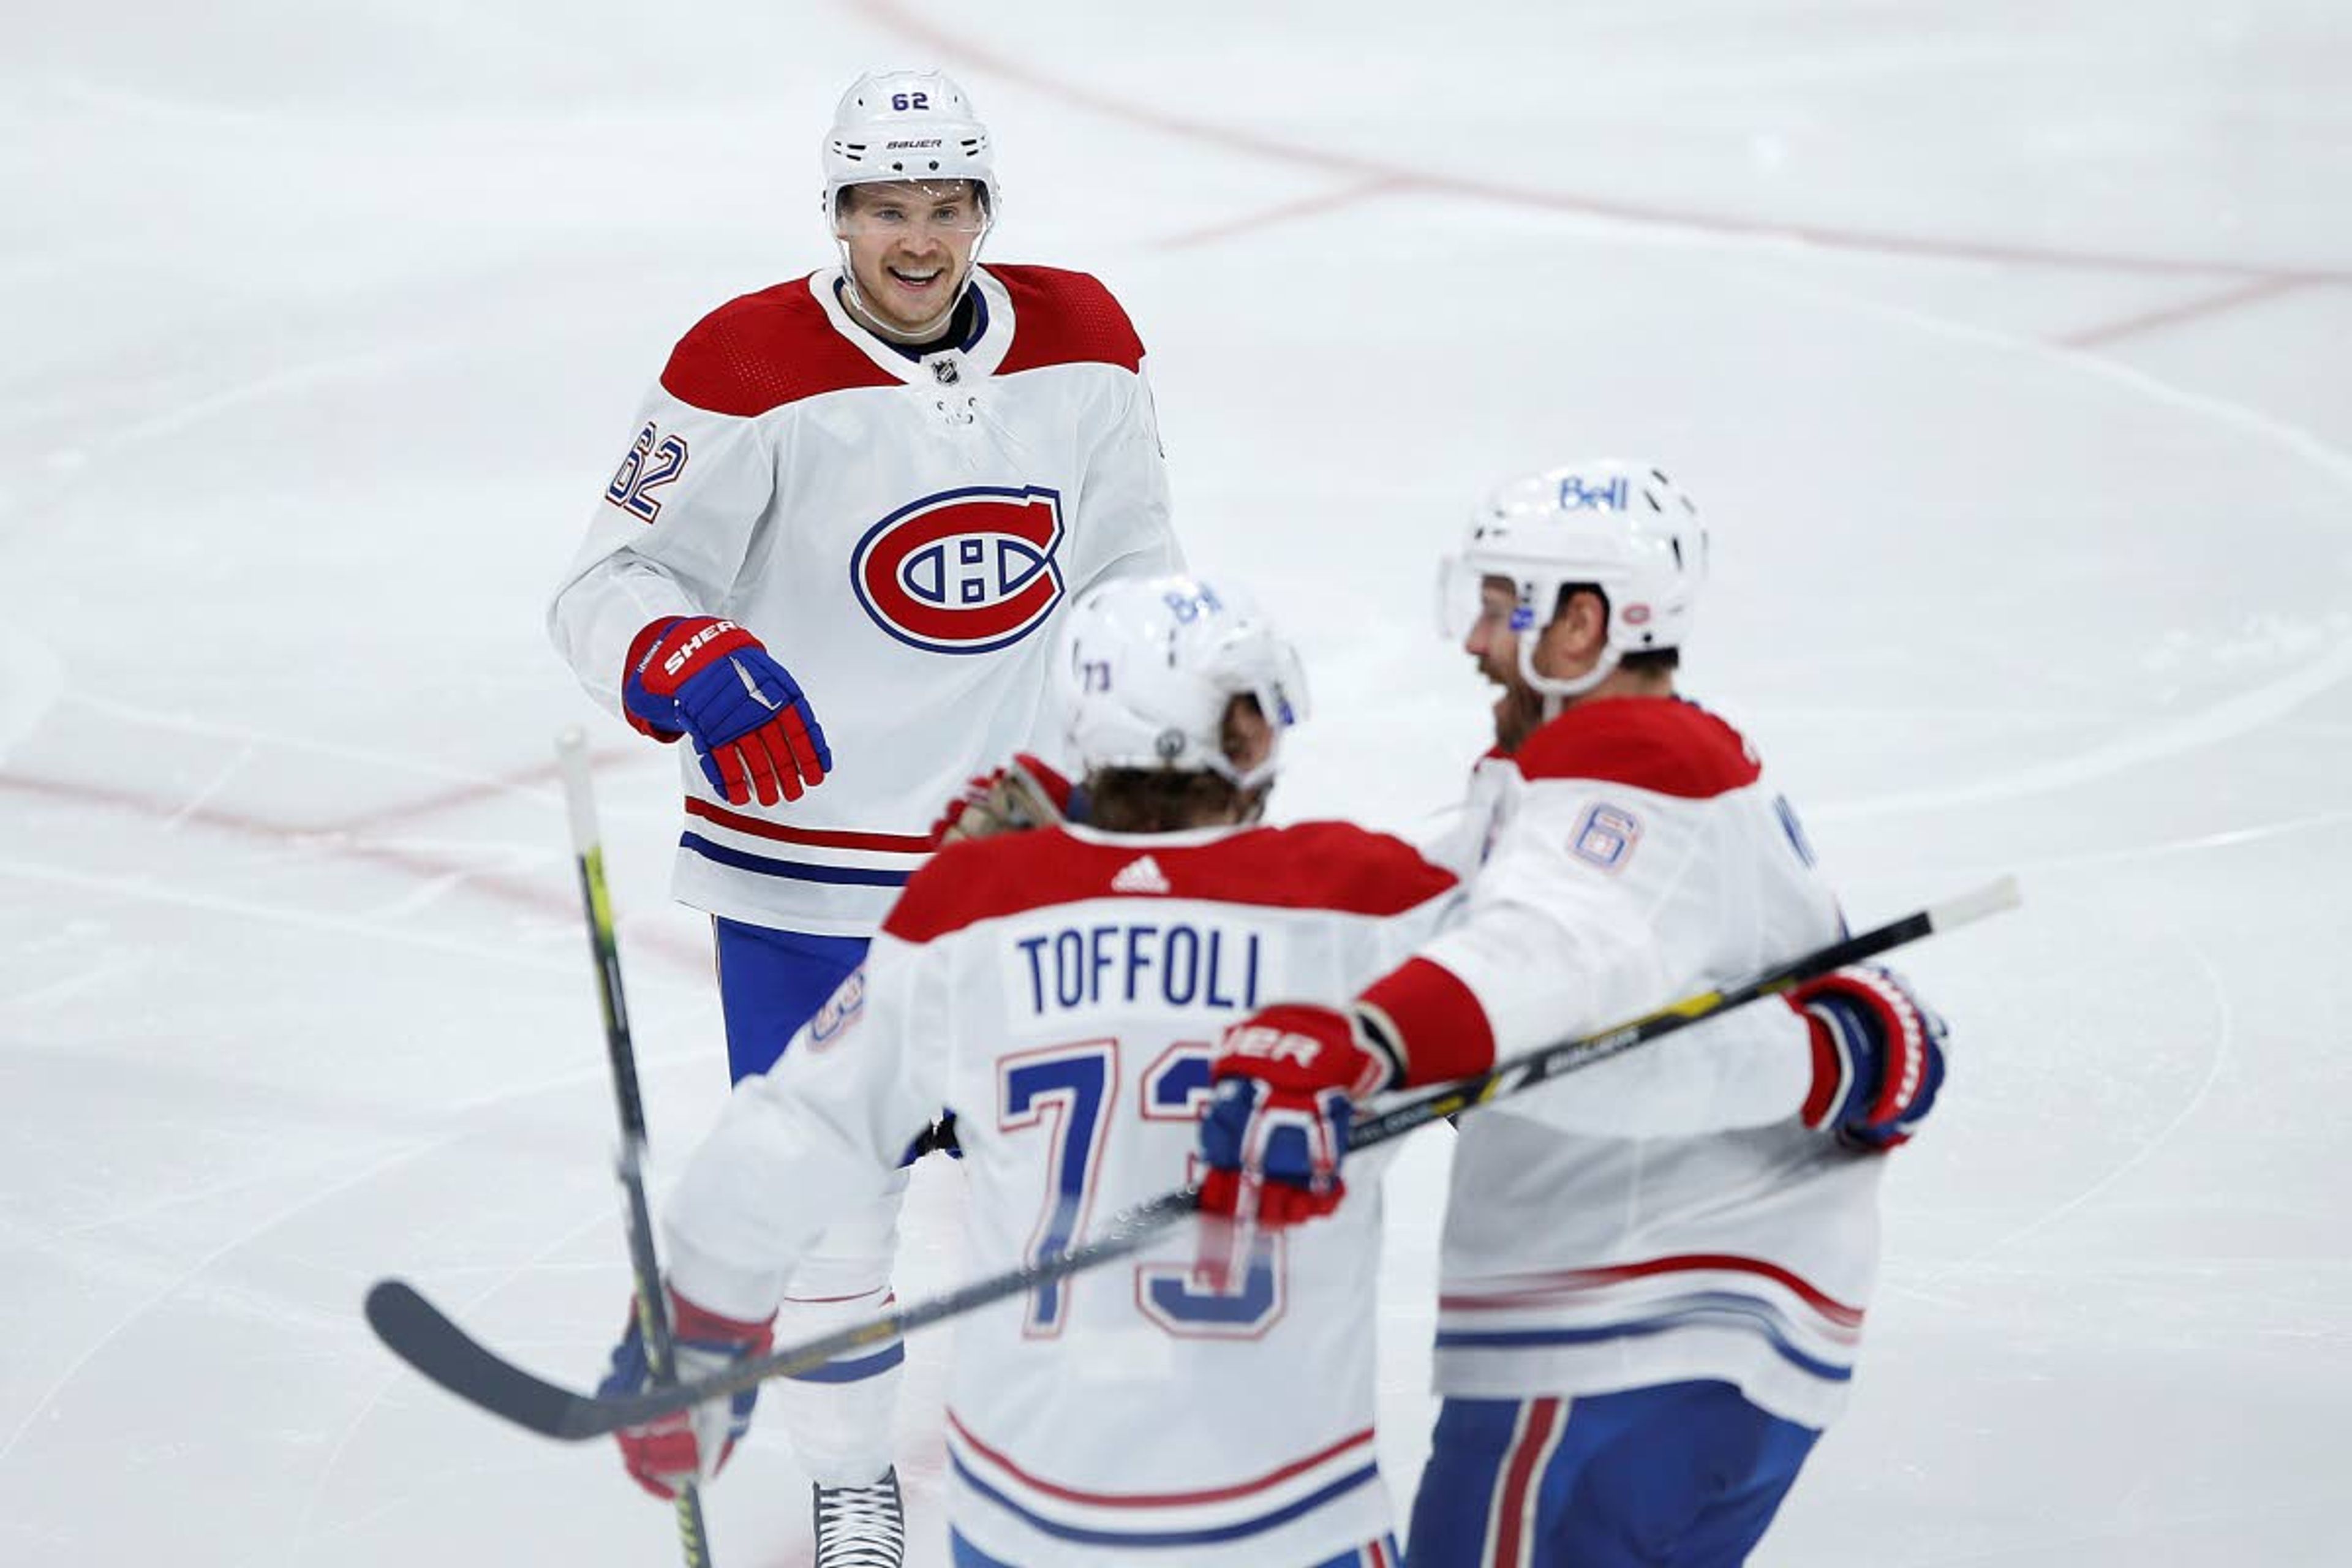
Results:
[929, 329]
[1250, 780]
[1556, 689]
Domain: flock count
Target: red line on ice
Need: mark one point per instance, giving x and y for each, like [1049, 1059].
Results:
[336, 841]
[895, 16]
[2230, 299]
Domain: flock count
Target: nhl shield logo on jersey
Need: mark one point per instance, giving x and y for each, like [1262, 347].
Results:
[966, 570]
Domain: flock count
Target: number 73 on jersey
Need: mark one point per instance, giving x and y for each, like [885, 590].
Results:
[1070, 1095]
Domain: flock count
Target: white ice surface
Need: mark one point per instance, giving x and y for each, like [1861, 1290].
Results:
[2005, 344]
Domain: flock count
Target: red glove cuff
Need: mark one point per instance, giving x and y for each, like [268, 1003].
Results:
[689, 1321]
[641, 649]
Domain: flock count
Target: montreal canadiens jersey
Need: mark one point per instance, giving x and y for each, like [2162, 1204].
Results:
[1062, 991]
[901, 531]
[1663, 1215]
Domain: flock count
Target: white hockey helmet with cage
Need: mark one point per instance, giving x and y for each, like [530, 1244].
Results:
[907, 125]
[1623, 528]
[1149, 666]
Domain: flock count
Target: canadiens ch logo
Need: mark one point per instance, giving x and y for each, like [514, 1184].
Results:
[965, 571]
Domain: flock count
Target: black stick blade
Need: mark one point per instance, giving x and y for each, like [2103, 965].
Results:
[419, 1333]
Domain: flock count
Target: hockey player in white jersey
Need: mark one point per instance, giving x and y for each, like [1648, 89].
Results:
[830, 562]
[1060, 989]
[1655, 1272]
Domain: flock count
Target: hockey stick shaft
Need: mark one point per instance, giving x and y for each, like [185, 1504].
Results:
[645, 1267]
[1524, 1072]
[438, 1347]
[1128, 1231]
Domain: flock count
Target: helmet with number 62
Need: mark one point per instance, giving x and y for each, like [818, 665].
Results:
[907, 125]
[1148, 666]
[1622, 528]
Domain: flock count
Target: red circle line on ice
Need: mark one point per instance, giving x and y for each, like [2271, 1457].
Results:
[964, 571]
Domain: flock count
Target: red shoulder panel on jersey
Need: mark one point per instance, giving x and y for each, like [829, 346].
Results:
[765, 350]
[1064, 318]
[1330, 866]
[1663, 744]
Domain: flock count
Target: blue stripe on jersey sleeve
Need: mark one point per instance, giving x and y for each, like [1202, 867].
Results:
[852, 1371]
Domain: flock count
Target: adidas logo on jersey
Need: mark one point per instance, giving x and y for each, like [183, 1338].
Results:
[1141, 876]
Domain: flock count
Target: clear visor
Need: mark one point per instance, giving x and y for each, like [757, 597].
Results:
[911, 207]
[1470, 597]
[1278, 684]
[1282, 693]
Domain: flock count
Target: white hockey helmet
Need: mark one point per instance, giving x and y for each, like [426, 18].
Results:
[1147, 667]
[907, 125]
[1623, 528]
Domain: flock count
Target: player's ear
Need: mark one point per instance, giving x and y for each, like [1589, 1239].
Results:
[1586, 611]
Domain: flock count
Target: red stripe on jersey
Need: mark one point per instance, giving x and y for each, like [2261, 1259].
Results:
[1530, 1290]
[1064, 318]
[1158, 1499]
[763, 351]
[1437, 1023]
[882, 1290]
[818, 837]
[1522, 1471]
[1659, 743]
[1332, 866]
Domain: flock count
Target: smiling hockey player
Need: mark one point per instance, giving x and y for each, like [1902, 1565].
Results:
[832, 561]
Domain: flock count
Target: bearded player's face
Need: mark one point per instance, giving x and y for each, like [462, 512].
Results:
[1495, 645]
[909, 244]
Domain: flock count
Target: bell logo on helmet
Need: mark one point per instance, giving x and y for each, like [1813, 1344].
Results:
[964, 571]
[1575, 495]
[1190, 604]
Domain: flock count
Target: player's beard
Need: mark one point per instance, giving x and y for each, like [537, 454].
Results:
[1519, 713]
[1520, 708]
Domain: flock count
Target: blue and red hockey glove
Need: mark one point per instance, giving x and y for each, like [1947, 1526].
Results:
[689, 1444]
[709, 678]
[1283, 1090]
[1878, 1056]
